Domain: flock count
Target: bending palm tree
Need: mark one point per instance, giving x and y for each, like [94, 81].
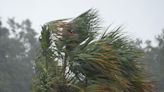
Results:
[74, 58]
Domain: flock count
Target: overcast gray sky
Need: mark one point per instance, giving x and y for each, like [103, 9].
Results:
[141, 18]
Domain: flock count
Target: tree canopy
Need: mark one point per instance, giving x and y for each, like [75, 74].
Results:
[76, 55]
[18, 46]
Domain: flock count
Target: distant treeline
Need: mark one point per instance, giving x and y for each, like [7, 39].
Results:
[18, 46]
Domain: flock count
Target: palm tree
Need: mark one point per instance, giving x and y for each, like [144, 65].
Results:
[74, 57]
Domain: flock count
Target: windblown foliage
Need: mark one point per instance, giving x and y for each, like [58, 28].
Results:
[74, 58]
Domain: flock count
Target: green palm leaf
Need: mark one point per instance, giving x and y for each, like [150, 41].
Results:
[73, 59]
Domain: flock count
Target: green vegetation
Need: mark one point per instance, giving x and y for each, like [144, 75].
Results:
[154, 60]
[74, 58]
[18, 46]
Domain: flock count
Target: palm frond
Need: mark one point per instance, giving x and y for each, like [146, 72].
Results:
[74, 60]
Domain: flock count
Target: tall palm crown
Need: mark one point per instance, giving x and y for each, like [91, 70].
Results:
[75, 58]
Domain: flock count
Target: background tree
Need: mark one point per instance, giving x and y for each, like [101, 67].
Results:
[17, 49]
[74, 58]
[154, 60]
